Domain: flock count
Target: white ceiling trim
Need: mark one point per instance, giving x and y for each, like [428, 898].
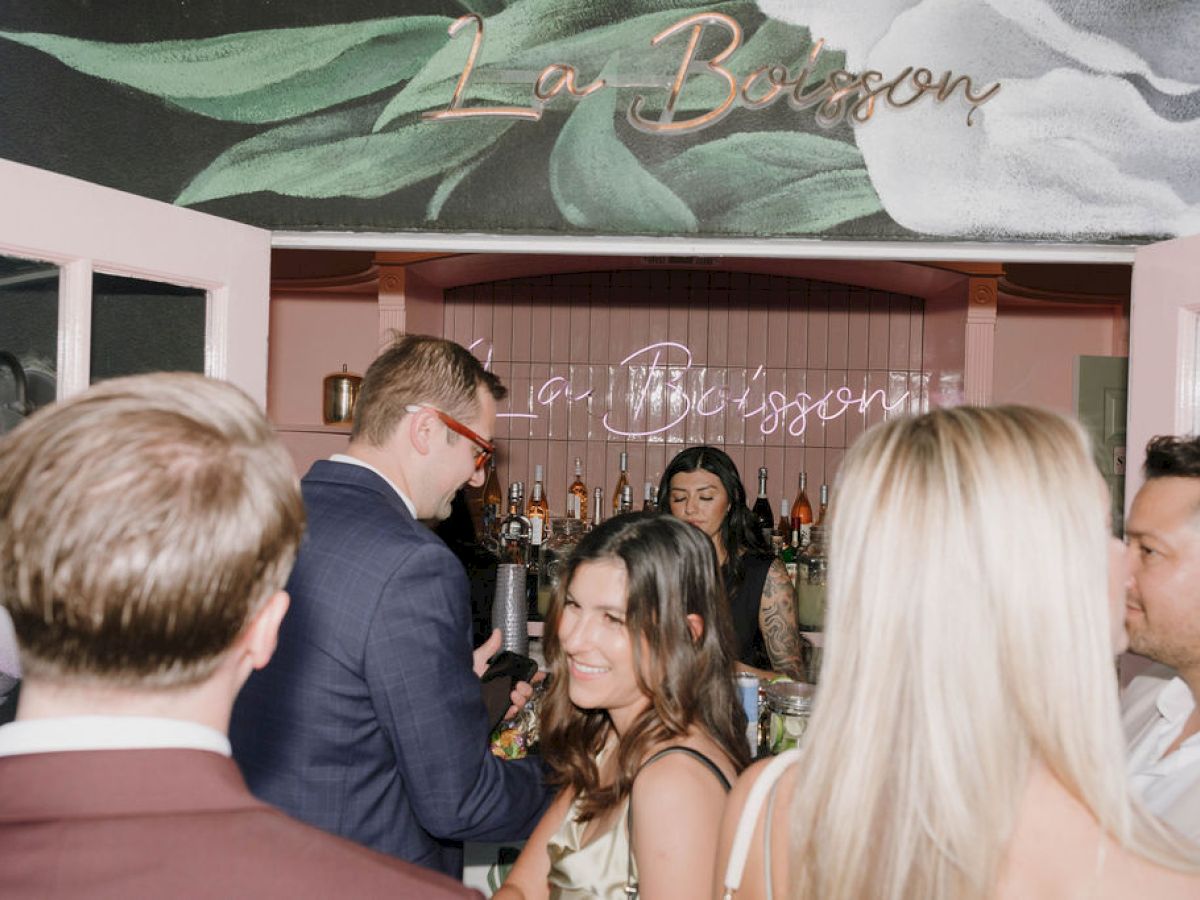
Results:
[914, 251]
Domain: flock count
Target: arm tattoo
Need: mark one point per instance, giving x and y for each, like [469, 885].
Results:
[777, 622]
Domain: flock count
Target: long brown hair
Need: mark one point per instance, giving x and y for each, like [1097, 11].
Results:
[671, 572]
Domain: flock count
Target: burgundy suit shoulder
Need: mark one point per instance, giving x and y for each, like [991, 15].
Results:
[175, 823]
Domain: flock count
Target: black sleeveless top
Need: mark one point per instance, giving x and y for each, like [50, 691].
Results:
[744, 602]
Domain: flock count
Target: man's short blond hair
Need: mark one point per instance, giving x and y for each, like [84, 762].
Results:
[420, 369]
[142, 523]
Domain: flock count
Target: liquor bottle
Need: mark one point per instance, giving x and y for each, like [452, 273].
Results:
[626, 499]
[782, 528]
[597, 506]
[802, 512]
[762, 506]
[492, 498]
[538, 479]
[577, 495]
[812, 572]
[784, 525]
[514, 530]
[622, 482]
[538, 512]
[790, 555]
[649, 504]
[823, 507]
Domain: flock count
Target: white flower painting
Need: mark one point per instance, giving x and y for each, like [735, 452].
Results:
[1095, 132]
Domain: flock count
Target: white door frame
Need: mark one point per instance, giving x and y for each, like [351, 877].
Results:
[85, 228]
[1164, 356]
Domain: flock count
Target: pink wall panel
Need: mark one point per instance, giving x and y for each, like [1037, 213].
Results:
[761, 346]
[878, 336]
[311, 337]
[1036, 349]
[818, 330]
[898, 333]
[839, 329]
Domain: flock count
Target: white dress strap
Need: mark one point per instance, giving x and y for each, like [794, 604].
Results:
[740, 850]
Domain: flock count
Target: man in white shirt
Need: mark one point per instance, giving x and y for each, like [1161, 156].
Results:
[146, 529]
[1162, 616]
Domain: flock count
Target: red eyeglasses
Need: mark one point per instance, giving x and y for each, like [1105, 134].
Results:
[486, 448]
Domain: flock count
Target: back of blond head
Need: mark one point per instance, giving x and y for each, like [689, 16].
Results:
[968, 631]
[141, 524]
[424, 370]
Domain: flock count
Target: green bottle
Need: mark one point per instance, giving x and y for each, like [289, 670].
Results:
[790, 554]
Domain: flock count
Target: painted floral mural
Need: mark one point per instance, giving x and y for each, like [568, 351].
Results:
[1098, 132]
[1032, 119]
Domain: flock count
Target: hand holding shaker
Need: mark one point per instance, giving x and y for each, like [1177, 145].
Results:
[509, 608]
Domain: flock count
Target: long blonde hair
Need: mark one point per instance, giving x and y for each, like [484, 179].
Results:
[968, 631]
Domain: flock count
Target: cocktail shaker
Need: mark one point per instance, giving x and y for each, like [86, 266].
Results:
[340, 395]
[510, 609]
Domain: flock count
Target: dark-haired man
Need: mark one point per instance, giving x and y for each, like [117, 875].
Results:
[370, 721]
[1162, 616]
[146, 528]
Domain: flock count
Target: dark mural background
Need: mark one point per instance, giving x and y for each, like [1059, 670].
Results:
[300, 116]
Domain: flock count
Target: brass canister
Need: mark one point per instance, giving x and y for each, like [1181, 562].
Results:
[341, 393]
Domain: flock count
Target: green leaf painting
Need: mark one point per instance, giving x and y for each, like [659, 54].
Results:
[600, 185]
[788, 181]
[342, 111]
[259, 76]
[338, 156]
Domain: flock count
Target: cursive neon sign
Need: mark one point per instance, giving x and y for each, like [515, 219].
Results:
[839, 96]
[653, 367]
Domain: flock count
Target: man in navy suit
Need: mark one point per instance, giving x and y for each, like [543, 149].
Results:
[370, 722]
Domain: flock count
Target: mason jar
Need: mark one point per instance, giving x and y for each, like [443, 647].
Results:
[789, 704]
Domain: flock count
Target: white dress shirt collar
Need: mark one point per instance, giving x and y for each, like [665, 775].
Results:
[66, 733]
[1175, 702]
[355, 461]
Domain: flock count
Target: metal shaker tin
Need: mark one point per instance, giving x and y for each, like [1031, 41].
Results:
[340, 395]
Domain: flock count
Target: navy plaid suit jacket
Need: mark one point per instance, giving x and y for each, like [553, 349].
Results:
[369, 721]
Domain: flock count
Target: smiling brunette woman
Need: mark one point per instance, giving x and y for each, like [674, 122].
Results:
[702, 486]
[642, 728]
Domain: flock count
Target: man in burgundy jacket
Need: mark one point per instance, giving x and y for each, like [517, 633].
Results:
[146, 528]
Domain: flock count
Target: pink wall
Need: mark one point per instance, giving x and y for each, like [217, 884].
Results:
[578, 328]
[806, 331]
[313, 335]
[1037, 345]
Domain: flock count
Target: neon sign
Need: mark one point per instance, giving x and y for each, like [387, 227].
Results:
[662, 367]
[839, 96]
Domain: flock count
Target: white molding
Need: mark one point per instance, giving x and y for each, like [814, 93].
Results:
[979, 356]
[393, 305]
[216, 337]
[677, 246]
[74, 327]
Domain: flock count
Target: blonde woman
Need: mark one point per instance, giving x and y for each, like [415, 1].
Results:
[966, 740]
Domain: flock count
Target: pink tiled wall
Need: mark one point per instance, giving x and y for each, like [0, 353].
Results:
[761, 349]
